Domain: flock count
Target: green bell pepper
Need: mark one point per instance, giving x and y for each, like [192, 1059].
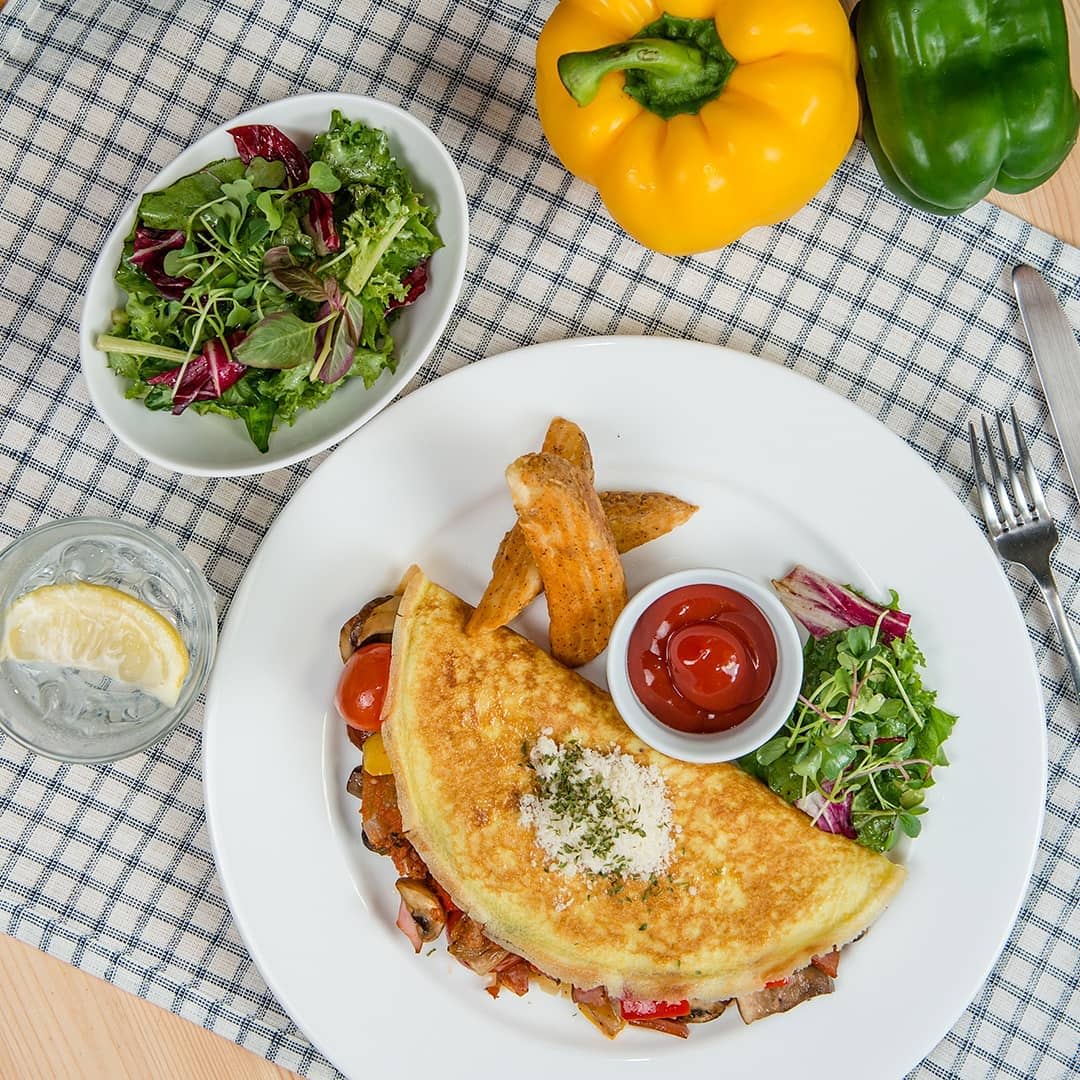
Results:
[963, 96]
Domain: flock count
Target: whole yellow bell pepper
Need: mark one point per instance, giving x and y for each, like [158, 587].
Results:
[698, 119]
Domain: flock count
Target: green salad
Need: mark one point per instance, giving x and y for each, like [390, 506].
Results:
[261, 283]
[860, 748]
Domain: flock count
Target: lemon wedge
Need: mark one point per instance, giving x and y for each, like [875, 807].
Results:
[99, 628]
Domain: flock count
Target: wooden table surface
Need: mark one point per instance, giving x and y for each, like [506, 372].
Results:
[57, 1022]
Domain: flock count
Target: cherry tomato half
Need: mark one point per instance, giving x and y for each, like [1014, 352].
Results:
[362, 687]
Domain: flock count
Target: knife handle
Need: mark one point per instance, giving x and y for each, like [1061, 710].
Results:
[1057, 360]
[1048, 329]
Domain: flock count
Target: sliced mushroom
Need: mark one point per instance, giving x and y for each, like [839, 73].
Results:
[373, 622]
[423, 905]
[803, 985]
[355, 784]
[702, 1014]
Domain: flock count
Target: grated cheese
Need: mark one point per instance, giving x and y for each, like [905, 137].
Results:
[598, 813]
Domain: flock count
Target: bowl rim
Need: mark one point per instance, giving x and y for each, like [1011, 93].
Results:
[206, 601]
[761, 725]
[269, 112]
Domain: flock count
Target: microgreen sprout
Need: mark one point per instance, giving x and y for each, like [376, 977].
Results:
[860, 747]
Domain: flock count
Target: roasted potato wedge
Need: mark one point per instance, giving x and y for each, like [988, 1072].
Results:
[571, 543]
[635, 517]
[515, 581]
[566, 440]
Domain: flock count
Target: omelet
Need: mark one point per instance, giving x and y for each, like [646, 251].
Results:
[721, 890]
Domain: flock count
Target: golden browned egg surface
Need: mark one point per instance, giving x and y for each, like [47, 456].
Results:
[752, 891]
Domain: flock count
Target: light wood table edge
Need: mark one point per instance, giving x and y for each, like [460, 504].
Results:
[58, 1022]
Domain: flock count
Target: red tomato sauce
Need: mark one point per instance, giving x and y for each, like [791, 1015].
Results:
[701, 658]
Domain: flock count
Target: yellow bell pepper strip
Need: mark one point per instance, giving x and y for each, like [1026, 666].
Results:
[698, 119]
[376, 760]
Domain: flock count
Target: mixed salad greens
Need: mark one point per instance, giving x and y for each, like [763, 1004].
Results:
[261, 283]
[860, 748]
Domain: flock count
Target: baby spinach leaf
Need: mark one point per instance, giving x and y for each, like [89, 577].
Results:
[281, 340]
[171, 207]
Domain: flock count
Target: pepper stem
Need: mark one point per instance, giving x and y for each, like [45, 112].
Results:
[671, 66]
[582, 72]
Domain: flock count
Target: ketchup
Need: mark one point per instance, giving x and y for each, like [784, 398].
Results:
[701, 658]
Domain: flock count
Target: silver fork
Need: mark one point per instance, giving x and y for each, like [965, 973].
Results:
[1024, 533]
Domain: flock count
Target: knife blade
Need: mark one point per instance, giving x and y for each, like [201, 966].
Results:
[1057, 360]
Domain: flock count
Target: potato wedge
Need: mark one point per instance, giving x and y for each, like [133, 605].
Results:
[515, 581]
[635, 517]
[566, 440]
[570, 541]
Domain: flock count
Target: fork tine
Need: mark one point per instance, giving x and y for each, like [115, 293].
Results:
[1024, 512]
[995, 474]
[986, 500]
[1038, 500]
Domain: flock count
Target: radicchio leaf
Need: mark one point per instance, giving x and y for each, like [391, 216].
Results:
[150, 248]
[824, 607]
[828, 817]
[353, 311]
[319, 223]
[272, 144]
[328, 327]
[205, 378]
[342, 351]
[416, 282]
[333, 294]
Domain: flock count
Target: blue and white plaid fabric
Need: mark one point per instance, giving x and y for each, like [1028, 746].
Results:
[911, 318]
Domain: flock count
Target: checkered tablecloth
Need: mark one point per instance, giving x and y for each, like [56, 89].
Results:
[911, 318]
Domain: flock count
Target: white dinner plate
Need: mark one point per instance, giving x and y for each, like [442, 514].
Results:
[784, 471]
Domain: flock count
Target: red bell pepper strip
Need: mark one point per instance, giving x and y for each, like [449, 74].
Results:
[632, 1009]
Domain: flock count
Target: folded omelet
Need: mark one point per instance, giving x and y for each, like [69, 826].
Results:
[742, 888]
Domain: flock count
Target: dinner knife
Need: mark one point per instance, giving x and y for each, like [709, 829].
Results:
[1057, 360]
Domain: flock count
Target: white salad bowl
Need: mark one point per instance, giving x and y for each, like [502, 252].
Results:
[213, 445]
[760, 726]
